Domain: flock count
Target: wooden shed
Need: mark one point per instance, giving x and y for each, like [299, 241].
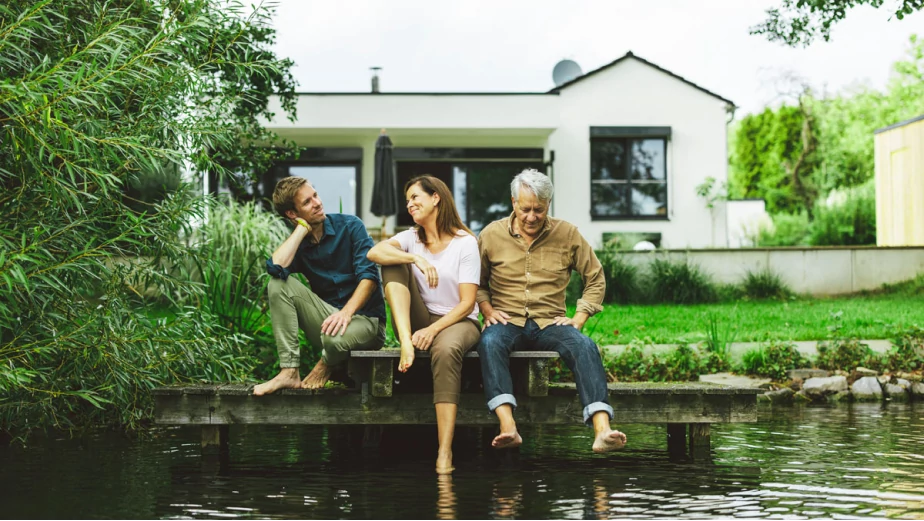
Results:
[900, 184]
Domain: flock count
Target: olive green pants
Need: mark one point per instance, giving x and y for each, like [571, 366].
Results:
[448, 347]
[294, 307]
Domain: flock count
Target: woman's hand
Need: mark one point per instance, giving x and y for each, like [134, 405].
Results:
[428, 270]
[423, 338]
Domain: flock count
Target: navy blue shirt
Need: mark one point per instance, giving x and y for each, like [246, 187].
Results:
[335, 265]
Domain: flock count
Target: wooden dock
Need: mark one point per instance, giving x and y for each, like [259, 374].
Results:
[685, 407]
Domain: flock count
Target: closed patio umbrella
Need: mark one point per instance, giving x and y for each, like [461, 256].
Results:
[384, 192]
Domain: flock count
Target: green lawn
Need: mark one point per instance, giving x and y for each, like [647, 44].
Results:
[866, 317]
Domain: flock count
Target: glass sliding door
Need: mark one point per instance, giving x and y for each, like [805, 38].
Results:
[481, 188]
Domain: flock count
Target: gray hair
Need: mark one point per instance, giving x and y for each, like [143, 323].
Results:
[534, 181]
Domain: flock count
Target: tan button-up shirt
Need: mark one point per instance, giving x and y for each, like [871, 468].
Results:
[529, 281]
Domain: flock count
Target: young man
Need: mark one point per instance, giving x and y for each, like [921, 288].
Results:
[343, 310]
[526, 263]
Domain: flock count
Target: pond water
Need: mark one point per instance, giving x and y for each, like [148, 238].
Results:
[859, 461]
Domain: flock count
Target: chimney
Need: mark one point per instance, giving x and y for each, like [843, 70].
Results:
[375, 79]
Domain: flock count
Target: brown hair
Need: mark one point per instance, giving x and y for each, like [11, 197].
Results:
[284, 194]
[448, 221]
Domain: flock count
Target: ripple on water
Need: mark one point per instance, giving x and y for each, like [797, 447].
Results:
[831, 462]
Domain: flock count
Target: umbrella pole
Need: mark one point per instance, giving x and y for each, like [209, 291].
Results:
[382, 232]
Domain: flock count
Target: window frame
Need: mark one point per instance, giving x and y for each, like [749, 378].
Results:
[627, 136]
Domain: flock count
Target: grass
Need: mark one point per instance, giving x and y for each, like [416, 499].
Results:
[867, 317]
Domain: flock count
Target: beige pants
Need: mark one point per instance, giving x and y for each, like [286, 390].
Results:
[448, 347]
[294, 307]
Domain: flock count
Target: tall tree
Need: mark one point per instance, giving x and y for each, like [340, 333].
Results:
[92, 94]
[800, 22]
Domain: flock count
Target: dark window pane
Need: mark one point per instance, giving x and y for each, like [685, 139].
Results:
[609, 199]
[649, 199]
[648, 160]
[607, 159]
[487, 192]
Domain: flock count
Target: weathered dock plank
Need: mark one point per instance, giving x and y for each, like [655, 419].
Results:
[632, 403]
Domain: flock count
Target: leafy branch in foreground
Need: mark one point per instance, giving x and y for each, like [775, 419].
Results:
[94, 96]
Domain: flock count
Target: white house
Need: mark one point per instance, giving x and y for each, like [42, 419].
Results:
[626, 146]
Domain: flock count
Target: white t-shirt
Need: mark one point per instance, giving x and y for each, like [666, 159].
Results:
[458, 264]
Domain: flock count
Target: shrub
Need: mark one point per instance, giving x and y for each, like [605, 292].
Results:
[681, 363]
[765, 285]
[846, 355]
[784, 230]
[717, 342]
[95, 93]
[772, 360]
[622, 279]
[845, 218]
[632, 364]
[229, 252]
[907, 353]
[678, 283]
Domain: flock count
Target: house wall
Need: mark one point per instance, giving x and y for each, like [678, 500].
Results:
[900, 185]
[634, 94]
[630, 93]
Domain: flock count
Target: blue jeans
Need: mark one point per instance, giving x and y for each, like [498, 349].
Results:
[579, 352]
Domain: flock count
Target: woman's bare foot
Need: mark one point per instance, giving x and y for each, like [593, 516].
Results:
[444, 463]
[507, 440]
[288, 378]
[407, 357]
[609, 440]
[317, 377]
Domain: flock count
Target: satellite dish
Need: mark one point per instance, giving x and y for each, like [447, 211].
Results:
[565, 71]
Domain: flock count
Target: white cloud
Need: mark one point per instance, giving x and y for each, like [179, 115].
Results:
[497, 45]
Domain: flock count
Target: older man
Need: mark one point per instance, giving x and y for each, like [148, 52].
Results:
[526, 263]
[343, 310]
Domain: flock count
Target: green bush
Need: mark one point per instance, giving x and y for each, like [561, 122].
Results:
[229, 252]
[94, 95]
[765, 285]
[845, 355]
[622, 279]
[681, 363]
[785, 230]
[718, 339]
[907, 353]
[678, 283]
[772, 360]
[848, 218]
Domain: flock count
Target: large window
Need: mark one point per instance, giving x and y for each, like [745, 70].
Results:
[628, 178]
[479, 178]
[334, 172]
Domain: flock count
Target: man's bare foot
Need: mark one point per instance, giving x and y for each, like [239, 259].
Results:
[444, 463]
[507, 440]
[407, 357]
[317, 377]
[288, 378]
[609, 440]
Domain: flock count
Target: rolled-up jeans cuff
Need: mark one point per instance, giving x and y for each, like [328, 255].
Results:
[502, 399]
[594, 408]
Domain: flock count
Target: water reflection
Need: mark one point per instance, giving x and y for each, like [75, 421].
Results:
[857, 461]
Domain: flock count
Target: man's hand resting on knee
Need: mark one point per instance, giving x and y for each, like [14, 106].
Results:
[337, 323]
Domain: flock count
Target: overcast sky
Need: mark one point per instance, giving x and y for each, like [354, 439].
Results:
[512, 46]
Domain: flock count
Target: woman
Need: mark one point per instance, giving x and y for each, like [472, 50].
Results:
[431, 275]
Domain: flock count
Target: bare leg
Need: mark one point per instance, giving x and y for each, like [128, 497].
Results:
[399, 299]
[318, 376]
[446, 428]
[605, 438]
[508, 437]
[288, 378]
